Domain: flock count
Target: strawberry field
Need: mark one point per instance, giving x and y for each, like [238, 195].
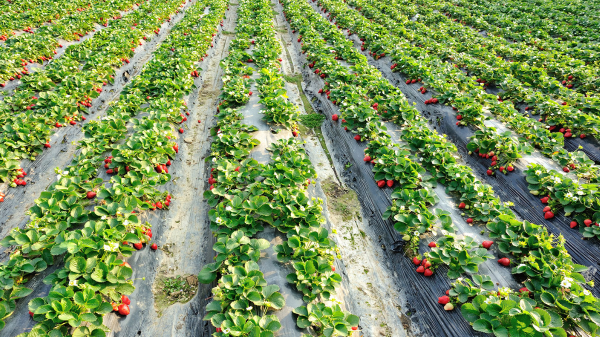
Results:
[299, 168]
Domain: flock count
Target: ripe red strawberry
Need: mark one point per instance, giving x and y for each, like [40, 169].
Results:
[448, 292]
[416, 261]
[548, 215]
[357, 138]
[432, 244]
[587, 222]
[568, 135]
[381, 183]
[544, 200]
[426, 263]
[582, 136]
[462, 205]
[459, 117]
[443, 300]
[573, 224]
[501, 168]
[354, 328]
[367, 159]
[154, 246]
[250, 93]
[490, 172]
[487, 244]
[469, 220]
[124, 309]
[510, 168]
[420, 269]
[295, 133]
[524, 290]
[138, 245]
[332, 268]
[494, 163]
[159, 205]
[47, 145]
[125, 299]
[547, 209]
[180, 130]
[109, 171]
[91, 195]
[428, 272]
[504, 261]
[390, 183]
[334, 117]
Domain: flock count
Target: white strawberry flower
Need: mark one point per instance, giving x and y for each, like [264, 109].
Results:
[580, 192]
[126, 222]
[159, 144]
[104, 217]
[302, 208]
[416, 233]
[566, 282]
[586, 292]
[226, 331]
[106, 247]
[58, 177]
[229, 208]
[249, 308]
[275, 192]
[73, 283]
[557, 180]
[569, 195]
[538, 172]
[65, 172]
[219, 220]
[401, 208]
[480, 194]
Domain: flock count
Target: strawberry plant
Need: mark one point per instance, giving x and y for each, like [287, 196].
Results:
[328, 321]
[460, 255]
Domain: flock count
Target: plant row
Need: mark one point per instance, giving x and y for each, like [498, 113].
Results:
[92, 227]
[394, 165]
[61, 93]
[422, 57]
[578, 72]
[502, 150]
[19, 15]
[545, 21]
[246, 196]
[540, 260]
[484, 57]
[40, 45]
